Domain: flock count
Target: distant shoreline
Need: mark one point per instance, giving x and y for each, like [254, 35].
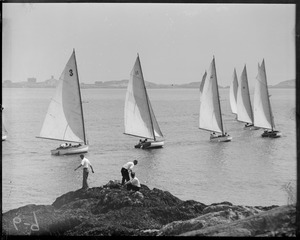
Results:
[85, 87]
[122, 84]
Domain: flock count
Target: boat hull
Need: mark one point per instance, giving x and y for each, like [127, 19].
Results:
[150, 144]
[251, 127]
[221, 139]
[70, 150]
[271, 134]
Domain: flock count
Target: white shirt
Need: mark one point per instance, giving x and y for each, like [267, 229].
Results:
[128, 165]
[135, 182]
[85, 163]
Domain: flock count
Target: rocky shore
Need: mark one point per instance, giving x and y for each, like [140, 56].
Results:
[111, 210]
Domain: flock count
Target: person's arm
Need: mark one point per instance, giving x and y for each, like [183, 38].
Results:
[77, 167]
[130, 169]
[92, 168]
[129, 181]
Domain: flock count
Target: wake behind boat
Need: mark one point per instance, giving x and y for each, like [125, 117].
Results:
[210, 116]
[263, 116]
[139, 118]
[64, 119]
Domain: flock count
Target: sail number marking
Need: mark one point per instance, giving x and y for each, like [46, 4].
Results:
[71, 72]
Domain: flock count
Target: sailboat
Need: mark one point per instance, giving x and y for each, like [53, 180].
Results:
[233, 93]
[139, 118]
[4, 131]
[210, 116]
[263, 116]
[244, 109]
[64, 119]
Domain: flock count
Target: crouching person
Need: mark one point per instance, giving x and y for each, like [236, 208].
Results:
[134, 183]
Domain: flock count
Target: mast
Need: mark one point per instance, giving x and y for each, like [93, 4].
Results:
[79, 93]
[218, 95]
[147, 99]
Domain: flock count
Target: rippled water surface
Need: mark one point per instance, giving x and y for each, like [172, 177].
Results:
[250, 170]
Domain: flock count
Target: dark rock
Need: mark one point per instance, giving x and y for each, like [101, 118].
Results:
[269, 223]
[112, 210]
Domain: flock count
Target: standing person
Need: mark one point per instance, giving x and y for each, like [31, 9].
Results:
[134, 183]
[127, 167]
[85, 163]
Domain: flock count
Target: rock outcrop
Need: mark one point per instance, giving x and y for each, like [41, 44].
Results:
[113, 210]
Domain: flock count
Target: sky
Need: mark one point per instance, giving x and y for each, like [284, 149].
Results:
[176, 42]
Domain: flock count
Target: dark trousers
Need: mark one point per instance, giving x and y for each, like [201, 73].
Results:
[125, 175]
[132, 187]
[84, 178]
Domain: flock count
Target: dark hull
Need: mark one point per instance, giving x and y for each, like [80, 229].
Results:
[150, 145]
[271, 134]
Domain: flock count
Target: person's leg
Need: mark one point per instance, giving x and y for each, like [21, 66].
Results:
[127, 176]
[135, 188]
[129, 186]
[122, 182]
[85, 177]
[123, 172]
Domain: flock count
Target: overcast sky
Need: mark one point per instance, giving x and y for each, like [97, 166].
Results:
[175, 42]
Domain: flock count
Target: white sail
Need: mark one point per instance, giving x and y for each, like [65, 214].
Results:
[262, 109]
[202, 85]
[244, 109]
[202, 82]
[64, 119]
[139, 118]
[4, 131]
[210, 112]
[233, 93]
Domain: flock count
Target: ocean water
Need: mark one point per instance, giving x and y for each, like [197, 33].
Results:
[249, 170]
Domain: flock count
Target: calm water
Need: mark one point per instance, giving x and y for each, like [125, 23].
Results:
[250, 170]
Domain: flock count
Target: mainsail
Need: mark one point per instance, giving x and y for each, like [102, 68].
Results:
[4, 131]
[139, 118]
[244, 109]
[233, 93]
[202, 85]
[202, 82]
[64, 119]
[210, 117]
[262, 108]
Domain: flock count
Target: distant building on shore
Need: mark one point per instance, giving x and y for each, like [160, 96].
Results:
[98, 83]
[31, 80]
[52, 82]
[31, 83]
